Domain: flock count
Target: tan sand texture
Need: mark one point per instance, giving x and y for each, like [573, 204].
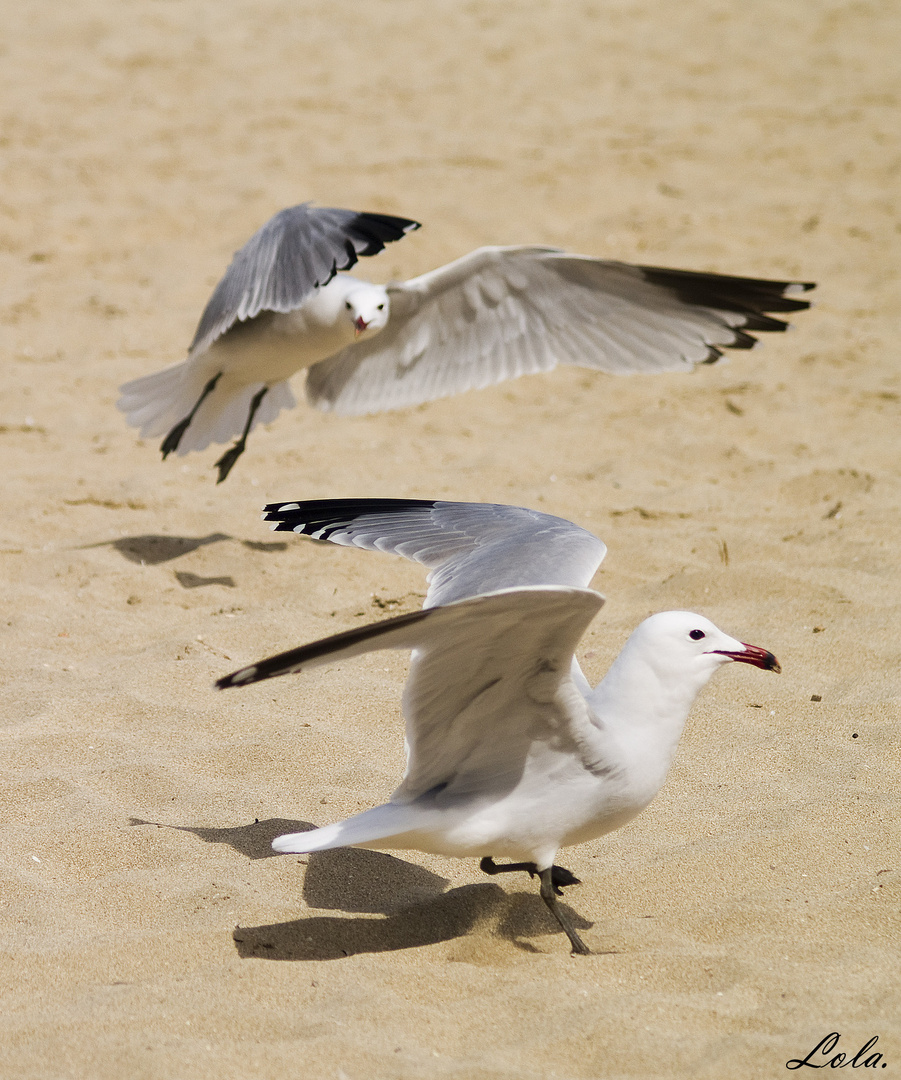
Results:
[755, 906]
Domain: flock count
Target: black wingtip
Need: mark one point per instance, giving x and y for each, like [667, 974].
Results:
[237, 678]
[295, 660]
[752, 297]
[371, 232]
[320, 517]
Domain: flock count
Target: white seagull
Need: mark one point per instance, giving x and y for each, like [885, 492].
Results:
[494, 314]
[510, 752]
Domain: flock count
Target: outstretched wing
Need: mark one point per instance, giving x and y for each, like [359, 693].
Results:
[470, 548]
[490, 678]
[502, 312]
[295, 252]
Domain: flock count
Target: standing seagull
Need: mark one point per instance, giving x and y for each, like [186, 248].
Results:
[493, 314]
[510, 752]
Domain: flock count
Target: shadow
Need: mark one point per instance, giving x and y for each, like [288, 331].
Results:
[195, 581]
[329, 937]
[151, 550]
[415, 908]
[358, 880]
[344, 879]
[254, 841]
[452, 915]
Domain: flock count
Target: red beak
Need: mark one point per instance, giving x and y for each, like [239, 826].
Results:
[754, 655]
[360, 323]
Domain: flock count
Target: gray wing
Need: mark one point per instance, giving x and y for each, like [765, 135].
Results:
[490, 677]
[469, 548]
[498, 313]
[295, 252]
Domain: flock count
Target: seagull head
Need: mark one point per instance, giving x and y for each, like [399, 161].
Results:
[687, 643]
[368, 308]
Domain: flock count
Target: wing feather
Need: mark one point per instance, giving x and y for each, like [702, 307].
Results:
[469, 548]
[490, 677]
[295, 252]
[498, 313]
[490, 683]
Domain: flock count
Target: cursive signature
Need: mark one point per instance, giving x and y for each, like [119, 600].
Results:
[839, 1061]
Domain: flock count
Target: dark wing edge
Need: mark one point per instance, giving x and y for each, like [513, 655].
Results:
[750, 298]
[399, 632]
[370, 232]
[469, 548]
[298, 250]
[348, 643]
[319, 518]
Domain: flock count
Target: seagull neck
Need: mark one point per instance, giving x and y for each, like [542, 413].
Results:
[643, 706]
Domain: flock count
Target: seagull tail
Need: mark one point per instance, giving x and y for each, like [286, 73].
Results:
[382, 823]
[156, 403]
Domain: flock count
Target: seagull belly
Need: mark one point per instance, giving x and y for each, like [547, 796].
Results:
[557, 802]
[273, 347]
[562, 801]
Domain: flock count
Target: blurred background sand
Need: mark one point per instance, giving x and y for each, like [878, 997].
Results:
[755, 907]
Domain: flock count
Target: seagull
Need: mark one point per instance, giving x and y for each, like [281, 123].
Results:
[497, 313]
[510, 752]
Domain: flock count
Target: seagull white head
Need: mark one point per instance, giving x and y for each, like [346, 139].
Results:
[679, 642]
[664, 665]
[368, 308]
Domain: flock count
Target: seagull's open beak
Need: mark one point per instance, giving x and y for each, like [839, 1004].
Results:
[753, 654]
[360, 323]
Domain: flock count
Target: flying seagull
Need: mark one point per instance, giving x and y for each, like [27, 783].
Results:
[494, 314]
[510, 752]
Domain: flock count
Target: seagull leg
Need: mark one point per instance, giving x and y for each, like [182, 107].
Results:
[489, 866]
[548, 895]
[172, 440]
[560, 876]
[225, 463]
[553, 880]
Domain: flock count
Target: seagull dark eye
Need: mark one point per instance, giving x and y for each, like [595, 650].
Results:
[347, 304]
[380, 307]
[696, 635]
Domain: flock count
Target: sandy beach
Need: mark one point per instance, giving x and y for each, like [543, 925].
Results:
[755, 907]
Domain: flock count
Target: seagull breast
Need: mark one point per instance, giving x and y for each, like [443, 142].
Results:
[275, 345]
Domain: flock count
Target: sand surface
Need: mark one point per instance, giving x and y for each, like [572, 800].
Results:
[756, 906]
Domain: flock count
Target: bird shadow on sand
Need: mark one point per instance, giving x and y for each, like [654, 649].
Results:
[403, 905]
[484, 906]
[254, 841]
[195, 581]
[151, 549]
